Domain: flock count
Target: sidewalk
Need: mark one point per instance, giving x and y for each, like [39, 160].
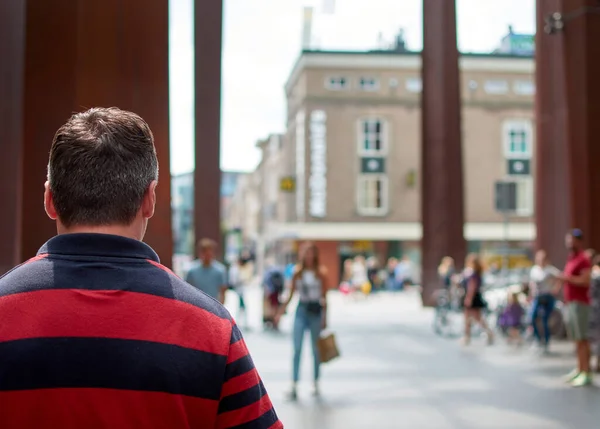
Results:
[395, 373]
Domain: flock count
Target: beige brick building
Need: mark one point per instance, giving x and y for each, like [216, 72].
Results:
[353, 147]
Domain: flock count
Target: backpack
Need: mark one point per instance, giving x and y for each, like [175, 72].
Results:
[276, 281]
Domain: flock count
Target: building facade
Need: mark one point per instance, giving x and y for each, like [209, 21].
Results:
[352, 152]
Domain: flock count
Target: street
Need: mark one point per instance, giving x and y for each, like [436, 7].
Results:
[395, 373]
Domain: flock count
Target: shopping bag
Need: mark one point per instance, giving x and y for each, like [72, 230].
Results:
[327, 347]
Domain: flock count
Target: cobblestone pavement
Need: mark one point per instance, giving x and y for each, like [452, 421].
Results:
[395, 373]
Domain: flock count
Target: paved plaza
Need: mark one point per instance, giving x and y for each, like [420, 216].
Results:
[395, 373]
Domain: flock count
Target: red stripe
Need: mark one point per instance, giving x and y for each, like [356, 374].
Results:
[277, 425]
[240, 383]
[103, 408]
[36, 258]
[245, 414]
[237, 351]
[162, 267]
[112, 314]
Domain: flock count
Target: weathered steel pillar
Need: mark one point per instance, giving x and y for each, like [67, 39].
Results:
[80, 54]
[552, 193]
[582, 64]
[208, 27]
[442, 206]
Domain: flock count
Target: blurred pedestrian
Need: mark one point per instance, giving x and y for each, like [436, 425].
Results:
[310, 282]
[373, 273]
[446, 272]
[391, 273]
[359, 273]
[577, 278]
[274, 281]
[206, 273]
[544, 286]
[473, 300]
[511, 318]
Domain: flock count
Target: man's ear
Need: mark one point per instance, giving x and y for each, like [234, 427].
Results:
[149, 201]
[49, 202]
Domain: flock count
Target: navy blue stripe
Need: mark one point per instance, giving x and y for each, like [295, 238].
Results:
[110, 363]
[236, 335]
[242, 399]
[239, 367]
[105, 273]
[267, 420]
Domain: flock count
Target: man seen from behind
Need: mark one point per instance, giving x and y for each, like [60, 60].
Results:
[94, 331]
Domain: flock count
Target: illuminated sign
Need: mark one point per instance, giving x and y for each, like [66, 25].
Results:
[300, 166]
[318, 164]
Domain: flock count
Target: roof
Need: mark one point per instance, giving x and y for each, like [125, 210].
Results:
[410, 53]
[394, 55]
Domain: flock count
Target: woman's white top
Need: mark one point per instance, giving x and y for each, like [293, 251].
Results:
[543, 278]
[359, 274]
[309, 286]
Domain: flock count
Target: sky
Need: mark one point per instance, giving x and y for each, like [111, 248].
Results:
[262, 41]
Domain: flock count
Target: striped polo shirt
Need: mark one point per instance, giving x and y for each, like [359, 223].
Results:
[96, 333]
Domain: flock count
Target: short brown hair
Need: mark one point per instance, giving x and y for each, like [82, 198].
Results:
[207, 243]
[101, 164]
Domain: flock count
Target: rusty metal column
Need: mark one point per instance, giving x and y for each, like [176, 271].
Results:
[552, 215]
[208, 24]
[442, 207]
[12, 48]
[582, 62]
[111, 53]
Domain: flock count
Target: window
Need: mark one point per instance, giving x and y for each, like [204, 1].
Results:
[336, 83]
[525, 196]
[496, 86]
[414, 84]
[368, 84]
[372, 195]
[372, 137]
[524, 87]
[518, 139]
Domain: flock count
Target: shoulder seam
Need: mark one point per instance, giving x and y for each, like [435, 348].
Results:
[22, 264]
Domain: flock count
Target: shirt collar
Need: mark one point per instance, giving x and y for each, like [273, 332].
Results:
[99, 245]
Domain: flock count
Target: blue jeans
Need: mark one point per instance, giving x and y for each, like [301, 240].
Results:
[546, 303]
[305, 321]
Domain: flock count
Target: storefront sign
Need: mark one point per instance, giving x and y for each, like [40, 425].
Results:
[318, 164]
[362, 246]
[371, 165]
[519, 167]
[287, 184]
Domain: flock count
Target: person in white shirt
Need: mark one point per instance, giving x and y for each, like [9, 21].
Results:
[544, 286]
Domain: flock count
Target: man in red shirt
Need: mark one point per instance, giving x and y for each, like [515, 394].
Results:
[94, 331]
[576, 278]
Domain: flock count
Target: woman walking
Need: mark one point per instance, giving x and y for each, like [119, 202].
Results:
[309, 282]
[473, 302]
[543, 288]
